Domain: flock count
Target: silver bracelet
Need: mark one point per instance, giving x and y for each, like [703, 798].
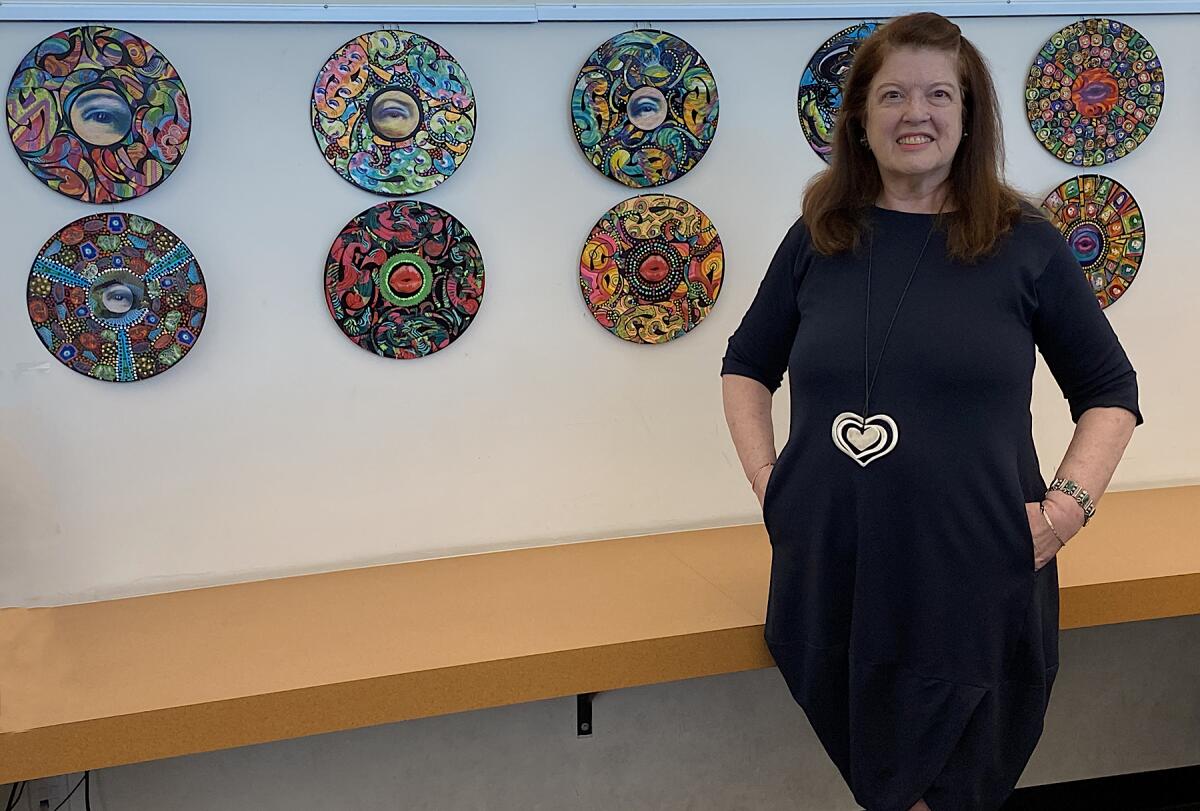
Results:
[1073, 489]
[1050, 524]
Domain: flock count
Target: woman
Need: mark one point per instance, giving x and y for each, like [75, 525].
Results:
[913, 606]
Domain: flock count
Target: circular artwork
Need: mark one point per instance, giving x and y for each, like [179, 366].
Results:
[1094, 92]
[644, 108]
[1103, 224]
[98, 114]
[820, 96]
[404, 279]
[117, 297]
[393, 112]
[652, 268]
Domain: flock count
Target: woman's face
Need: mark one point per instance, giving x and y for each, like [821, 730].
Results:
[914, 116]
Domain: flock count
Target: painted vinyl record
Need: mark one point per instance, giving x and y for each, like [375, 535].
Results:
[404, 279]
[820, 95]
[651, 269]
[117, 297]
[1094, 92]
[98, 114]
[644, 108]
[1103, 224]
[393, 112]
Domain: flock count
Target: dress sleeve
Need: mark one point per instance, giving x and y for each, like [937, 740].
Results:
[760, 346]
[1077, 342]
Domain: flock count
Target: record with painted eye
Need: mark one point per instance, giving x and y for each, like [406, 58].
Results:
[404, 279]
[117, 297]
[1094, 92]
[1103, 225]
[652, 268]
[644, 108]
[98, 114]
[393, 112]
[820, 97]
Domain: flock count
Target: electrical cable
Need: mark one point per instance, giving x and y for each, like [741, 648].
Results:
[87, 790]
[14, 796]
[67, 799]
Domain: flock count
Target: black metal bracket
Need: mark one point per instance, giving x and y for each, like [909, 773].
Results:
[583, 712]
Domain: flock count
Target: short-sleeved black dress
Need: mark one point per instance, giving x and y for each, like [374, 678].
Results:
[904, 611]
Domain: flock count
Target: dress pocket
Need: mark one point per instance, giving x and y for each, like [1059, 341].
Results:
[1027, 535]
[772, 480]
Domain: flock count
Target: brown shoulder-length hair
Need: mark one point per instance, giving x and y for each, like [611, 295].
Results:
[837, 200]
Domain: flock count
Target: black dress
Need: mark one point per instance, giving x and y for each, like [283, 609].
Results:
[904, 610]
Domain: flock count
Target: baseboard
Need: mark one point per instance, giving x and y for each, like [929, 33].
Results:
[1166, 790]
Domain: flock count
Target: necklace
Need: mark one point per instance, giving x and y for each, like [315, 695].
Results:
[867, 438]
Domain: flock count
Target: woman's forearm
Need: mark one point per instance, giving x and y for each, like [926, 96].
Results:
[748, 414]
[1096, 447]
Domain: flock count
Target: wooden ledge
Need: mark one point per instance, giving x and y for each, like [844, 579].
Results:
[122, 681]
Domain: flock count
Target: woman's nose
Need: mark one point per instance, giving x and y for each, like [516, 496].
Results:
[915, 109]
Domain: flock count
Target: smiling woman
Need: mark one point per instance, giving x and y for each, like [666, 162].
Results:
[921, 80]
[913, 605]
[914, 125]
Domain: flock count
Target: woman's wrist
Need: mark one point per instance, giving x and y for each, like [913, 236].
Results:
[758, 474]
[1064, 522]
[1067, 507]
[1049, 523]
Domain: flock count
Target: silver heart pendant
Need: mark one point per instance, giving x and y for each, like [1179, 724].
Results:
[864, 441]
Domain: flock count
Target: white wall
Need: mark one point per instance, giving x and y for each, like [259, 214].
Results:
[279, 447]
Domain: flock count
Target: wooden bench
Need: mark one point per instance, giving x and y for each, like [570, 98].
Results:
[122, 681]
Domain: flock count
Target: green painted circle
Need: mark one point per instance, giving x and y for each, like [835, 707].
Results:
[385, 271]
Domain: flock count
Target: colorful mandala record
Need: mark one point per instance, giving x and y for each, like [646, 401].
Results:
[117, 297]
[98, 114]
[820, 96]
[404, 279]
[393, 112]
[1094, 92]
[652, 268]
[644, 108]
[1103, 224]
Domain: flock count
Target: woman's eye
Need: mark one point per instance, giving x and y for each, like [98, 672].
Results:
[99, 116]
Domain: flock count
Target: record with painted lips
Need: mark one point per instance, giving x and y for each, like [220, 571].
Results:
[404, 279]
[644, 108]
[1103, 225]
[820, 96]
[1094, 92]
[652, 268]
[98, 114]
[117, 297]
[393, 112]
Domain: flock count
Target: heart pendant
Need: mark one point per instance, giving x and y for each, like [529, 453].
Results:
[864, 441]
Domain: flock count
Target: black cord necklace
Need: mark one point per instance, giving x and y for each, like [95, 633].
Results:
[861, 437]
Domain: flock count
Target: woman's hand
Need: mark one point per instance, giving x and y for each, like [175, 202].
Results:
[1045, 544]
